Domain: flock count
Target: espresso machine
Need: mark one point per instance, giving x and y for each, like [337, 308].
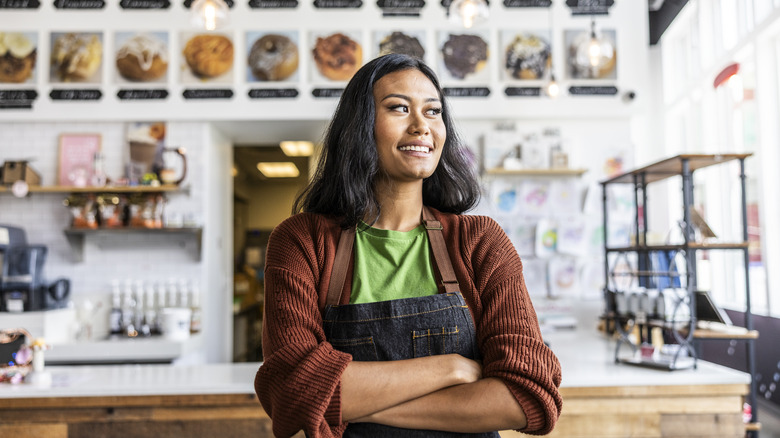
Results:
[23, 287]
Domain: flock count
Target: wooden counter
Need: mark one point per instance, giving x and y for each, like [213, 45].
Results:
[601, 399]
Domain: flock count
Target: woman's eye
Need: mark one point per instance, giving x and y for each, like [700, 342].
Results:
[400, 108]
[434, 111]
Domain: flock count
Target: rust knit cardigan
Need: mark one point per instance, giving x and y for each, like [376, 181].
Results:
[298, 383]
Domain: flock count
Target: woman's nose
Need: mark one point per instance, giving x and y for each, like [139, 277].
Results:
[418, 125]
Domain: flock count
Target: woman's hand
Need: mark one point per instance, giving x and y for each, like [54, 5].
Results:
[369, 387]
[465, 370]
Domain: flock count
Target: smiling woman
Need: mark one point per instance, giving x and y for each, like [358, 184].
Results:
[410, 132]
[390, 313]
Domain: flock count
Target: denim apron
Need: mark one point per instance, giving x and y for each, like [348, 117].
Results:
[401, 329]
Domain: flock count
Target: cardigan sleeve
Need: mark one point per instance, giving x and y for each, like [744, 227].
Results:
[298, 383]
[508, 332]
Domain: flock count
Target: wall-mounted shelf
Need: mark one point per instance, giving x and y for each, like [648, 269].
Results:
[116, 189]
[77, 236]
[689, 245]
[535, 172]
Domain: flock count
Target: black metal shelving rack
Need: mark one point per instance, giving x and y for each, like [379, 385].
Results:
[684, 332]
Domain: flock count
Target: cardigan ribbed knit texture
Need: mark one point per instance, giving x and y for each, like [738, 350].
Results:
[298, 383]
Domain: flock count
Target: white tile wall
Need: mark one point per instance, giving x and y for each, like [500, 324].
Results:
[43, 216]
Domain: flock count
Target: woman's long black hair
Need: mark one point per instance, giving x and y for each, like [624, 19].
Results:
[343, 183]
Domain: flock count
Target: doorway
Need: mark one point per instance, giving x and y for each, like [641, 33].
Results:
[259, 204]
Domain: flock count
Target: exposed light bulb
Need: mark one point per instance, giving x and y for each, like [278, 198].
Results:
[594, 51]
[552, 89]
[468, 12]
[594, 46]
[209, 14]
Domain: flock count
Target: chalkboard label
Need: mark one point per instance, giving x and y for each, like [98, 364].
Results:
[20, 4]
[273, 4]
[523, 91]
[327, 92]
[400, 8]
[273, 93]
[188, 3]
[208, 93]
[527, 3]
[466, 91]
[142, 94]
[145, 4]
[447, 3]
[590, 7]
[401, 4]
[338, 4]
[17, 99]
[593, 91]
[75, 94]
[79, 4]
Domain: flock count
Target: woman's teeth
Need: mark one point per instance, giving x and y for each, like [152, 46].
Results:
[414, 148]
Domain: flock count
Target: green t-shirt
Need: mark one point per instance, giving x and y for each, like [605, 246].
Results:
[391, 264]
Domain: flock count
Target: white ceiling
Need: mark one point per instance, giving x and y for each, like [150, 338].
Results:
[270, 133]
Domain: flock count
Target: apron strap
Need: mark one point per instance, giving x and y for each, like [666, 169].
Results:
[440, 254]
[440, 257]
[340, 266]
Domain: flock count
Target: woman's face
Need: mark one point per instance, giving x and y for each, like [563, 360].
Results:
[409, 130]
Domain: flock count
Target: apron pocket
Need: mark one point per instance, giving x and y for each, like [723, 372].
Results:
[361, 349]
[435, 341]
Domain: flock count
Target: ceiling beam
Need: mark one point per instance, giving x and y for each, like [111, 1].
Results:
[661, 19]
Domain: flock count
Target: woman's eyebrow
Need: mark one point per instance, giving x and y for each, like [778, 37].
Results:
[409, 99]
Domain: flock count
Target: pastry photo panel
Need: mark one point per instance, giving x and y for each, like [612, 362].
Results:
[76, 57]
[141, 57]
[590, 60]
[408, 42]
[463, 56]
[336, 56]
[272, 56]
[18, 54]
[526, 55]
[207, 58]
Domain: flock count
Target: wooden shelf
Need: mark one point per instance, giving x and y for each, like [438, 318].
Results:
[77, 236]
[692, 245]
[117, 189]
[717, 334]
[752, 427]
[671, 167]
[535, 172]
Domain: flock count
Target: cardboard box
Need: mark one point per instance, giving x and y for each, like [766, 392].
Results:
[20, 170]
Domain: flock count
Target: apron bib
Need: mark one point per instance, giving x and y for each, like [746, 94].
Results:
[401, 329]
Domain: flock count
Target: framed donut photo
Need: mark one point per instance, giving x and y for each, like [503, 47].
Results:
[141, 57]
[272, 56]
[464, 56]
[18, 52]
[336, 55]
[207, 58]
[525, 56]
[579, 64]
[76, 57]
[406, 42]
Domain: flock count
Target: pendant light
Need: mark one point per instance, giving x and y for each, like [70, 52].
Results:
[552, 89]
[209, 14]
[468, 12]
[595, 52]
[594, 46]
